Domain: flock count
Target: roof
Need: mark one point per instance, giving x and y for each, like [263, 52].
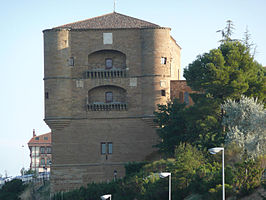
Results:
[41, 139]
[110, 21]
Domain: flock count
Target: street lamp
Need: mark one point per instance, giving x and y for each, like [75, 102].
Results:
[214, 151]
[106, 196]
[163, 175]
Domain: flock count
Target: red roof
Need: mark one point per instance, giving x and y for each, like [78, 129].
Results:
[44, 139]
[110, 21]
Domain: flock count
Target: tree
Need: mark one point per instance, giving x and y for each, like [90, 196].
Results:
[172, 126]
[227, 72]
[11, 190]
[245, 122]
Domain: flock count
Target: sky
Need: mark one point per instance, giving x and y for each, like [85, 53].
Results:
[193, 24]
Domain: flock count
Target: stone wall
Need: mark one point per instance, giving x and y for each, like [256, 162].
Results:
[77, 132]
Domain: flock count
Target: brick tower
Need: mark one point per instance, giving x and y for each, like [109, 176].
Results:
[103, 79]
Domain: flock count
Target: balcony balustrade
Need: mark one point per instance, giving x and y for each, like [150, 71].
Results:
[114, 106]
[111, 73]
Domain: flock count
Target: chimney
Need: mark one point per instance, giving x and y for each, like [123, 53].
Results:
[34, 133]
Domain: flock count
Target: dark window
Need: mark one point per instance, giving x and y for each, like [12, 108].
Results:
[46, 95]
[106, 148]
[45, 138]
[71, 61]
[110, 147]
[163, 60]
[48, 150]
[186, 98]
[163, 92]
[42, 150]
[36, 138]
[103, 148]
[181, 97]
[108, 97]
[48, 161]
[108, 63]
[42, 161]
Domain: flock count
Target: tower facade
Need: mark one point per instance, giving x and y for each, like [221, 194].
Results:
[103, 80]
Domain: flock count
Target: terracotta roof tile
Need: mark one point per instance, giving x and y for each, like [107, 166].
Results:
[110, 21]
[40, 139]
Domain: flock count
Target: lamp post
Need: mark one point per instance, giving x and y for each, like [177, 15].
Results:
[216, 150]
[106, 196]
[163, 175]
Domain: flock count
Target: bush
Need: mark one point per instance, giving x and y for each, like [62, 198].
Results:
[11, 190]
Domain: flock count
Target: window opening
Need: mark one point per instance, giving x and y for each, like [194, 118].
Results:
[163, 93]
[71, 61]
[103, 148]
[186, 98]
[108, 63]
[163, 60]
[110, 147]
[108, 97]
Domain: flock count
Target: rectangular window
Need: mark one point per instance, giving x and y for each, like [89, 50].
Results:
[163, 60]
[103, 148]
[108, 63]
[71, 61]
[186, 98]
[48, 150]
[163, 93]
[107, 38]
[46, 95]
[42, 161]
[45, 138]
[108, 97]
[110, 147]
[36, 138]
[48, 161]
[42, 150]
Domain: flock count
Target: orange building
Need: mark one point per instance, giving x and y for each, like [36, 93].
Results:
[40, 152]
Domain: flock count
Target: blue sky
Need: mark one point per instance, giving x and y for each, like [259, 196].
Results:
[194, 24]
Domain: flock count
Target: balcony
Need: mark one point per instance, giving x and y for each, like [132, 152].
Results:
[101, 73]
[114, 106]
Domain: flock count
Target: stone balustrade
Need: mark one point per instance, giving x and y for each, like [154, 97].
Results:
[115, 106]
[112, 73]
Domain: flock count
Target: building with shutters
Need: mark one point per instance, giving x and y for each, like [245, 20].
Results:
[103, 79]
[40, 152]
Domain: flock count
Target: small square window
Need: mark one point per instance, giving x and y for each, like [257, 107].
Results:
[108, 97]
[163, 60]
[108, 63]
[163, 93]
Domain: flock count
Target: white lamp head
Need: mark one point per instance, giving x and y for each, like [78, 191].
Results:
[104, 197]
[164, 174]
[215, 150]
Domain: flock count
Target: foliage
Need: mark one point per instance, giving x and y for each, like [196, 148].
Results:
[227, 72]
[245, 122]
[134, 167]
[248, 176]
[12, 189]
[172, 126]
[204, 122]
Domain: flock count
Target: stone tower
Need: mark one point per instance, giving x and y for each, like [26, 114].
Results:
[103, 79]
